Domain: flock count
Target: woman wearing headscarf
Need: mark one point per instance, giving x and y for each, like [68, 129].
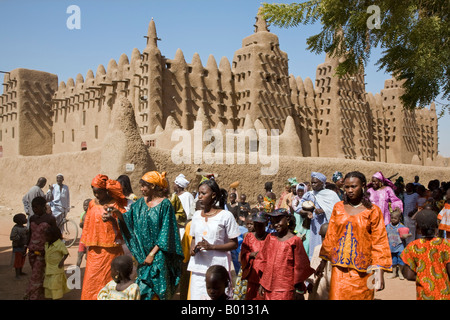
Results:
[302, 231]
[102, 239]
[381, 192]
[324, 201]
[150, 231]
[338, 179]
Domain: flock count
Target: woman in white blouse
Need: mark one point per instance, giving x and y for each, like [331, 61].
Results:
[214, 234]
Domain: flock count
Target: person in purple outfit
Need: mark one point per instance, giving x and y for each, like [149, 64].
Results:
[381, 191]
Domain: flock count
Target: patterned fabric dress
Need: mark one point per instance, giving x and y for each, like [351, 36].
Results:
[149, 227]
[428, 259]
[36, 256]
[444, 217]
[109, 292]
[355, 245]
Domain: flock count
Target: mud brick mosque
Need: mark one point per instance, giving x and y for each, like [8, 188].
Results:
[328, 117]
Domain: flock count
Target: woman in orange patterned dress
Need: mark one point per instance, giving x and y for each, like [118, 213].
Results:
[356, 243]
[103, 238]
[427, 260]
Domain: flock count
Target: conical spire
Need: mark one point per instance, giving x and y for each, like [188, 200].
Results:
[123, 60]
[261, 23]
[79, 80]
[152, 38]
[89, 75]
[70, 83]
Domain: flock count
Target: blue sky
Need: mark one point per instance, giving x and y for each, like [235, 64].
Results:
[34, 35]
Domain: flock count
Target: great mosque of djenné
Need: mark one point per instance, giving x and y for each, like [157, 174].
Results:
[329, 117]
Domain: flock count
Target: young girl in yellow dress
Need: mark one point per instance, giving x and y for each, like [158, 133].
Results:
[55, 281]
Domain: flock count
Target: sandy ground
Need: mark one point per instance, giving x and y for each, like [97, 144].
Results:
[14, 289]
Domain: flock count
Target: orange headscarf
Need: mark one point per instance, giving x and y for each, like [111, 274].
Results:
[99, 181]
[156, 178]
[114, 187]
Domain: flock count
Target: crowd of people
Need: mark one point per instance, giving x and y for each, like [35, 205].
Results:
[324, 238]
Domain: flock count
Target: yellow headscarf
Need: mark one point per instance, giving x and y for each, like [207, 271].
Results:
[156, 178]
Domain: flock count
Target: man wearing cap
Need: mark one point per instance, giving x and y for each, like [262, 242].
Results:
[59, 199]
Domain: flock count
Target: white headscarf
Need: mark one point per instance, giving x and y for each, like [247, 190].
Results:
[181, 181]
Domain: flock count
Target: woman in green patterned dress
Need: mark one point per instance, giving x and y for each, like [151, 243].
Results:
[150, 231]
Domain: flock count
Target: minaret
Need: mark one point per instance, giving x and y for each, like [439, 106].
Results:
[261, 78]
[408, 132]
[343, 117]
[179, 100]
[227, 96]
[25, 113]
[152, 37]
[150, 113]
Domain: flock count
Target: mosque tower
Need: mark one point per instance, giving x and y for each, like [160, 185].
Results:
[261, 79]
[343, 113]
[150, 111]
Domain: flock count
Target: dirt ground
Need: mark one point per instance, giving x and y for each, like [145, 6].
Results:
[14, 289]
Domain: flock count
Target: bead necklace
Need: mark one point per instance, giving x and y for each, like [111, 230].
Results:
[207, 215]
[357, 205]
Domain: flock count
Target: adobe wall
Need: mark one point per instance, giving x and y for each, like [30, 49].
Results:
[252, 182]
[21, 173]
[333, 118]
[26, 123]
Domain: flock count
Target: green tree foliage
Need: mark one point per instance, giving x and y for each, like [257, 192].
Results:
[413, 36]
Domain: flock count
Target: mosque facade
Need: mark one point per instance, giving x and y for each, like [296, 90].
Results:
[328, 117]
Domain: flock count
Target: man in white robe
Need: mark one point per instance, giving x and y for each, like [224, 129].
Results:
[59, 198]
